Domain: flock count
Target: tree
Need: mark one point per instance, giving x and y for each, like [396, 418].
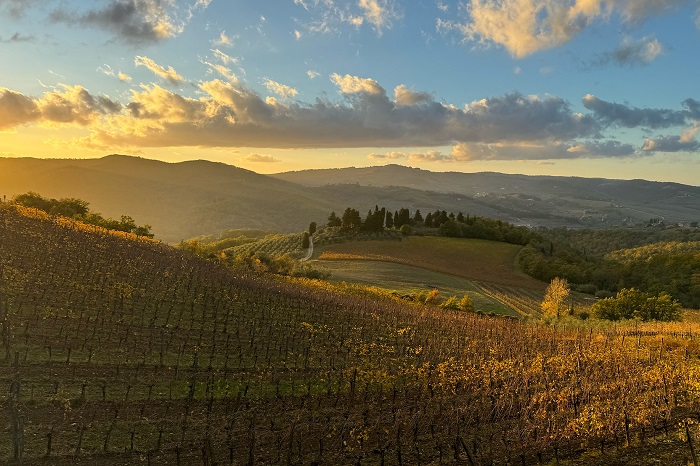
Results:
[417, 217]
[466, 304]
[70, 207]
[334, 220]
[305, 240]
[406, 229]
[33, 200]
[389, 220]
[555, 298]
[351, 219]
[312, 228]
[630, 303]
[402, 218]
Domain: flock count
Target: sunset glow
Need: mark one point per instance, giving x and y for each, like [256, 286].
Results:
[604, 88]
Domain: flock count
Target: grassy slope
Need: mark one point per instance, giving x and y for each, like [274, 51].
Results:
[473, 259]
[406, 279]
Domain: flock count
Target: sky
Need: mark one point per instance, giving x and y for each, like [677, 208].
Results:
[594, 88]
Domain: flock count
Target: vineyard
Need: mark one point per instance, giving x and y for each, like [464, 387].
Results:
[121, 350]
[525, 302]
[271, 245]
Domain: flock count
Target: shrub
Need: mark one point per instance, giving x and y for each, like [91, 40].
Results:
[450, 303]
[466, 304]
[630, 303]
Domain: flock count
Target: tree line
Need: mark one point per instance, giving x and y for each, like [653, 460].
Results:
[78, 209]
[438, 222]
[667, 267]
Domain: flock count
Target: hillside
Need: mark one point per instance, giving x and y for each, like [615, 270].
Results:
[121, 350]
[534, 200]
[183, 200]
[179, 200]
[473, 259]
[483, 270]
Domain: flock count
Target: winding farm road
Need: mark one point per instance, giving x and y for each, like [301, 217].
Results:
[310, 252]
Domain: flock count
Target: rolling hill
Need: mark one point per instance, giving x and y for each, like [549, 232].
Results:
[178, 200]
[182, 200]
[533, 200]
[118, 350]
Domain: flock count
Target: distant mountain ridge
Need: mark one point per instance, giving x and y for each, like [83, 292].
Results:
[181, 200]
[583, 201]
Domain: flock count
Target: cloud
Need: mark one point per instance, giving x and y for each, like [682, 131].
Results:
[16, 8]
[634, 53]
[108, 71]
[282, 90]
[313, 74]
[16, 109]
[430, 156]
[354, 85]
[692, 107]
[70, 105]
[227, 113]
[222, 70]
[405, 96]
[328, 16]
[260, 158]
[468, 152]
[224, 58]
[638, 10]
[524, 27]
[686, 142]
[610, 148]
[223, 40]
[75, 105]
[18, 38]
[631, 117]
[670, 144]
[379, 13]
[169, 74]
[388, 156]
[133, 21]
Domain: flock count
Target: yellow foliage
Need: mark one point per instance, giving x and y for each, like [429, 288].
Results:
[555, 302]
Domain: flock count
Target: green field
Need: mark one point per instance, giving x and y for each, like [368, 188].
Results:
[485, 270]
[473, 259]
[406, 279]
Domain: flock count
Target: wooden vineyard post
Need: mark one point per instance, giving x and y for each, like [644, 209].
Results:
[690, 444]
[16, 418]
[4, 323]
